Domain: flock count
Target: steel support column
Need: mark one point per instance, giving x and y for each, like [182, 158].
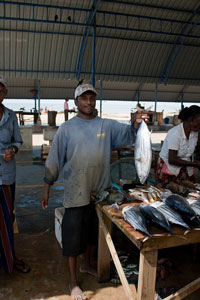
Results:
[35, 99]
[101, 97]
[182, 99]
[156, 100]
[39, 119]
[93, 55]
[138, 97]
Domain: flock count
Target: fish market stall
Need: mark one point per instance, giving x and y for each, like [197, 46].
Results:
[148, 244]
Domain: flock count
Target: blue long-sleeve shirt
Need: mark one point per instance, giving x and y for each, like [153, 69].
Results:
[82, 148]
[9, 136]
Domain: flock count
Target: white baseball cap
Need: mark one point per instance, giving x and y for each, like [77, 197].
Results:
[3, 82]
[82, 88]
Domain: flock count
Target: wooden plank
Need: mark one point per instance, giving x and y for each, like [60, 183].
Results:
[115, 258]
[103, 269]
[147, 275]
[185, 291]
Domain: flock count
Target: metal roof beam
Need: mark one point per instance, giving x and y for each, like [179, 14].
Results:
[161, 22]
[169, 65]
[89, 23]
[165, 33]
[140, 86]
[98, 36]
[6, 3]
[182, 91]
[147, 5]
[19, 4]
[99, 74]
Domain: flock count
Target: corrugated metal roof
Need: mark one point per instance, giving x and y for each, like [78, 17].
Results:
[133, 42]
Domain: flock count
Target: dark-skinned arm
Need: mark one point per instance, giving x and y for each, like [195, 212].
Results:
[177, 161]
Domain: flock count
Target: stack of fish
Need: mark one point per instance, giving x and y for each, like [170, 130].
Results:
[147, 195]
[174, 210]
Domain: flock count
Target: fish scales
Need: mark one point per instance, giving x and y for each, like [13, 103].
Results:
[155, 217]
[171, 215]
[135, 219]
[143, 152]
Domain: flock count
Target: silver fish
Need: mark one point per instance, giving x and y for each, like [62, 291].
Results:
[180, 204]
[143, 152]
[171, 215]
[196, 207]
[135, 219]
[155, 217]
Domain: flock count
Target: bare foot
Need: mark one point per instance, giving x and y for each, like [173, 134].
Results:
[88, 269]
[77, 293]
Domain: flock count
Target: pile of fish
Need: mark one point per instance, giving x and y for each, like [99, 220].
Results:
[174, 209]
[143, 152]
[147, 195]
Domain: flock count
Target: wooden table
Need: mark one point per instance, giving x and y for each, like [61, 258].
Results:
[22, 113]
[148, 253]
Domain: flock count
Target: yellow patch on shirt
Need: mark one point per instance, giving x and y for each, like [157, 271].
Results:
[101, 135]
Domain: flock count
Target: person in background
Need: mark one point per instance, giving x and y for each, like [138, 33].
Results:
[66, 108]
[10, 142]
[82, 148]
[175, 162]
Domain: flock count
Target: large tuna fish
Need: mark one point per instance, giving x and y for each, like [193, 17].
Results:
[171, 215]
[181, 205]
[155, 217]
[135, 219]
[143, 153]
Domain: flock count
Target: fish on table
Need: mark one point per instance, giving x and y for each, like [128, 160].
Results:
[172, 216]
[155, 217]
[181, 205]
[143, 152]
[135, 219]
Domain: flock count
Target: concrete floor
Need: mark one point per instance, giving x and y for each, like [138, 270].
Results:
[37, 245]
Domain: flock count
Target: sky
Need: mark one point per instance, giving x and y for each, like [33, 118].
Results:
[108, 107]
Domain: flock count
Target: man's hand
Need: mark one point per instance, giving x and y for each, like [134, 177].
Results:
[9, 154]
[45, 196]
[141, 115]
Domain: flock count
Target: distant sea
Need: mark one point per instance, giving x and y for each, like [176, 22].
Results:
[108, 107]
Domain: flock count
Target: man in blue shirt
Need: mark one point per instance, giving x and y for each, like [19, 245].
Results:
[10, 142]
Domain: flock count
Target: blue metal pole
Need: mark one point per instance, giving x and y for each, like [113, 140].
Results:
[39, 100]
[156, 100]
[138, 94]
[35, 98]
[182, 96]
[101, 97]
[93, 55]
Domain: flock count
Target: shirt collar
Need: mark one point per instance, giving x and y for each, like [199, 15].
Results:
[6, 115]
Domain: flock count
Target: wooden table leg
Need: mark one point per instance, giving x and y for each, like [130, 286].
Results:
[103, 266]
[147, 275]
[131, 295]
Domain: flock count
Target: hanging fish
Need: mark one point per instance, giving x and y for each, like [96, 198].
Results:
[171, 215]
[143, 153]
[135, 219]
[155, 217]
